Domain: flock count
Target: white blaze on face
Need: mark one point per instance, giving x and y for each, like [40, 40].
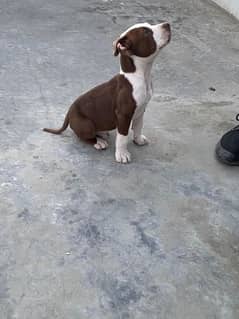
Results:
[135, 26]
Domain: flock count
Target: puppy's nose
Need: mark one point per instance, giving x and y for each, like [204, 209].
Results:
[166, 26]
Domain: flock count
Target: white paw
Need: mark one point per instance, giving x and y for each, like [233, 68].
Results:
[101, 144]
[122, 156]
[141, 140]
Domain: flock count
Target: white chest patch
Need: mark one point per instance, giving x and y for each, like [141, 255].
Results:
[142, 92]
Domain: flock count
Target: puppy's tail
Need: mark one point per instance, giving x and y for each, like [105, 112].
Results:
[60, 130]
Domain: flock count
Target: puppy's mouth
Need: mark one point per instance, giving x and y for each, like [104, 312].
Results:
[169, 37]
[166, 38]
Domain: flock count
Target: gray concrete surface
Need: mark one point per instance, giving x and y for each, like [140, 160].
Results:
[82, 237]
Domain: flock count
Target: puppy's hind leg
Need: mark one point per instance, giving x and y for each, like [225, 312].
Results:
[101, 144]
[85, 130]
[102, 140]
[103, 134]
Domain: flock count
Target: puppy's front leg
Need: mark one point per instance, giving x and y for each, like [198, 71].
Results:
[137, 126]
[122, 155]
[124, 114]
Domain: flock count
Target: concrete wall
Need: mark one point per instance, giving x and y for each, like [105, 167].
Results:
[230, 5]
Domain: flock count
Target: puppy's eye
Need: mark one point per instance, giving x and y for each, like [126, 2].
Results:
[147, 32]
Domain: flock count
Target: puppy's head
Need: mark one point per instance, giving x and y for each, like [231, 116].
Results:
[142, 40]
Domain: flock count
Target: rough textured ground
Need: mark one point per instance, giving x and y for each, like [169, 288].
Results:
[82, 237]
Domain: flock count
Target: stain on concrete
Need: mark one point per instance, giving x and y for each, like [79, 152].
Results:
[25, 215]
[146, 240]
[120, 294]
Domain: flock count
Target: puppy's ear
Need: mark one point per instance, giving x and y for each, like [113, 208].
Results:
[122, 45]
[115, 49]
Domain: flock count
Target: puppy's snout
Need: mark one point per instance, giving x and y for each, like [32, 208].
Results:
[166, 26]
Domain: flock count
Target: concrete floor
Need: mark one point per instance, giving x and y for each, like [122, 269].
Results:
[82, 237]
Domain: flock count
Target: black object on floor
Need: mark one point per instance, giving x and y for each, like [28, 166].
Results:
[227, 149]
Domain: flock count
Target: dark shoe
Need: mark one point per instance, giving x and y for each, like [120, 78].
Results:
[227, 149]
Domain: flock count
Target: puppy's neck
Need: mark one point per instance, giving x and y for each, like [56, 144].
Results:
[134, 66]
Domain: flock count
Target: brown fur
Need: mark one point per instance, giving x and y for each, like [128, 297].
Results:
[138, 42]
[111, 104]
[103, 108]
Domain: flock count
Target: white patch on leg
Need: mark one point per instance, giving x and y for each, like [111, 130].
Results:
[137, 125]
[101, 144]
[122, 155]
[141, 140]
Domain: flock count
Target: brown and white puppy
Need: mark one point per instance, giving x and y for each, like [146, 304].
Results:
[122, 100]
